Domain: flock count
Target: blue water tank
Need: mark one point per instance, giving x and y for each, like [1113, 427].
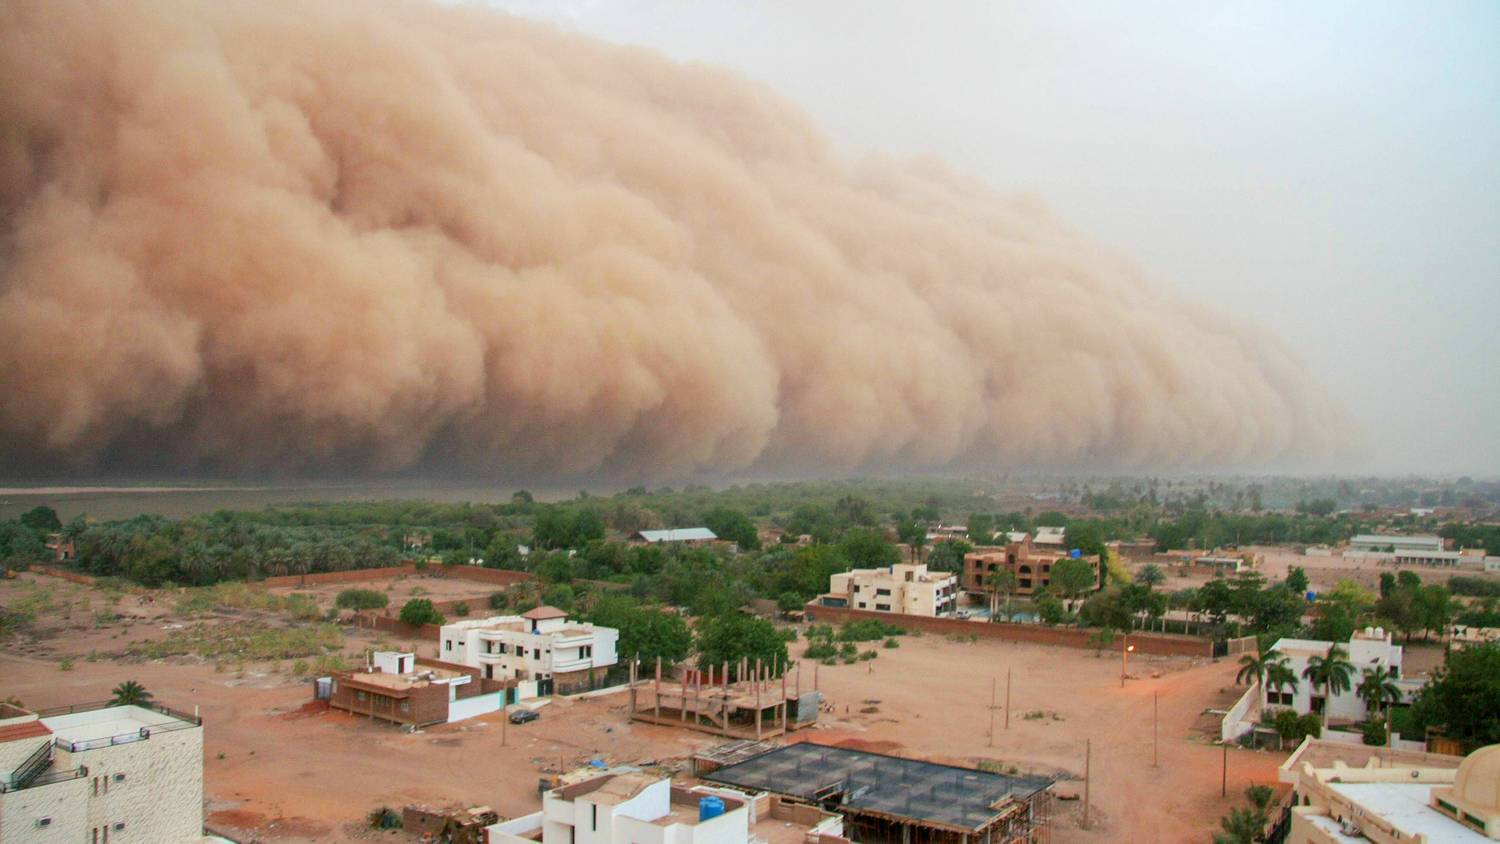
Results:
[1311, 597]
[710, 807]
[1075, 553]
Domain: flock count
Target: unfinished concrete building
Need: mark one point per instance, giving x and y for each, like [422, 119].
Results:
[762, 701]
[893, 800]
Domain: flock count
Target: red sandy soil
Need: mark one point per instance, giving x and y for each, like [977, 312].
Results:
[403, 588]
[279, 769]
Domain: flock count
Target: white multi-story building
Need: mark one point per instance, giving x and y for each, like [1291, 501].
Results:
[540, 646]
[1395, 542]
[97, 774]
[902, 588]
[634, 807]
[1370, 648]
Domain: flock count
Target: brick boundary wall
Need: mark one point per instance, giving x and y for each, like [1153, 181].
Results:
[62, 574]
[1074, 637]
[502, 577]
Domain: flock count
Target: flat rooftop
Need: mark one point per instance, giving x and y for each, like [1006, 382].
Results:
[959, 798]
[78, 727]
[400, 682]
[1406, 806]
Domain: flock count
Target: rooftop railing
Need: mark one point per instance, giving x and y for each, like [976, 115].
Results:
[93, 706]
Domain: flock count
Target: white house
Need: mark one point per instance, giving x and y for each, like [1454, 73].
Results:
[94, 773]
[1051, 537]
[634, 807]
[1371, 648]
[901, 588]
[540, 646]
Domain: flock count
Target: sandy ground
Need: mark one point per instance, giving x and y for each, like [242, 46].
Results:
[279, 769]
[404, 588]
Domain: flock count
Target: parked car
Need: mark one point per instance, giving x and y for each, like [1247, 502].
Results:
[521, 716]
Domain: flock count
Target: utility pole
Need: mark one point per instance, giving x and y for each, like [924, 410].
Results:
[1087, 780]
[1155, 713]
[1224, 777]
[1007, 698]
[992, 711]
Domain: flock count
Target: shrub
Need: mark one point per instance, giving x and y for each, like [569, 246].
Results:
[361, 599]
[299, 667]
[868, 630]
[66, 665]
[302, 607]
[892, 644]
[420, 611]
[1374, 733]
[848, 650]
[499, 600]
[820, 650]
[461, 609]
[868, 655]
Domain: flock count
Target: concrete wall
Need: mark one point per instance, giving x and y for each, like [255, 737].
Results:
[474, 706]
[63, 803]
[160, 797]
[500, 577]
[1160, 644]
[1241, 718]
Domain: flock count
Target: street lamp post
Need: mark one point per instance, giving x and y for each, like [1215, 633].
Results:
[1125, 650]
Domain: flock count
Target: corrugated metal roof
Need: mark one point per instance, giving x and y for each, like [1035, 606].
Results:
[695, 534]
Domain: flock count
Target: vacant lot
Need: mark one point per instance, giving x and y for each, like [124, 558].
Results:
[403, 588]
[279, 769]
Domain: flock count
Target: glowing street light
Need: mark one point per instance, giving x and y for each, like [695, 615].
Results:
[1124, 659]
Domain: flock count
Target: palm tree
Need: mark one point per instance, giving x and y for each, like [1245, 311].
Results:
[1241, 826]
[1000, 580]
[1254, 666]
[1376, 689]
[1333, 672]
[1279, 675]
[130, 693]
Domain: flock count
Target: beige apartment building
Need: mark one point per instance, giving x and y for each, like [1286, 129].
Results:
[902, 588]
[97, 774]
[1343, 794]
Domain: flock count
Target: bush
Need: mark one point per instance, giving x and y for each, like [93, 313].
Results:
[892, 644]
[868, 630]
[868, 655]
[820, 650]
[302, 607]
[420, 611]
[361, 599]
[461, 609]
[1374, 733]
[499, 600]
[1474, 587]
[848, 650]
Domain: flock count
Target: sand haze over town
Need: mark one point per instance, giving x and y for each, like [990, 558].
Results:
[374, 237]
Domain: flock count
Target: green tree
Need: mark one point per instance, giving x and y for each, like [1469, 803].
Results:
[732, 636]
[734, 526]
[1150, 575]
[914, 534]
[130, 693]
[1377, 689]
[1332, 672]
[867, 549]
[42, 519]
[1296, 580]
[1463, 696]
[420, 611]
[361, 599]
[646, 633]
[1001, 581]
[1072, 578]
[948, 555]
[1254, 666]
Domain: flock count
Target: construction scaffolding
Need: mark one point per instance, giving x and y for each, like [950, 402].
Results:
[896, 800]
[761, 701]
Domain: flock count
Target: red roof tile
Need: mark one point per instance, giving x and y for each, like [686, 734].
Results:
[23, 730]
[544, 612]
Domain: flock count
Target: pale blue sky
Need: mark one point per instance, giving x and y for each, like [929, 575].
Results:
[1330, 171]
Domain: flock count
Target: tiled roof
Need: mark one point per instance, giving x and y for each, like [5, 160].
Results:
[24, 730]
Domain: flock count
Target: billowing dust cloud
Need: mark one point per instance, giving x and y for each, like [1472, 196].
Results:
[284, 236]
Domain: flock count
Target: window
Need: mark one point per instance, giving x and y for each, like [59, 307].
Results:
[119, 777]
[536, 653]
[594, 817]
[447, 644]
[882, 591]
[883, 607]
[119, 825]
[862, 605]
[585, 651]
[359, 695]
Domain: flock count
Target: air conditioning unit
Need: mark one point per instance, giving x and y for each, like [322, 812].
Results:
[43, 821]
